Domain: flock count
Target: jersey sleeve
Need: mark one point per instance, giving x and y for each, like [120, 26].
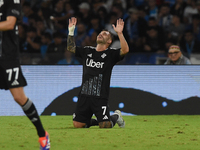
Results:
[79, 52]
[14, 8]
[115, 54]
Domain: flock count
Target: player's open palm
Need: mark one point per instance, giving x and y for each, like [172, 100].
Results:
[72, 22]
[119, 26]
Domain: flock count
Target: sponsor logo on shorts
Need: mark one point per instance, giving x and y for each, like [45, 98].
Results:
[105, 117]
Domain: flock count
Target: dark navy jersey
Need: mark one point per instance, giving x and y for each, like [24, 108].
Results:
[9, 41]
[97, 69]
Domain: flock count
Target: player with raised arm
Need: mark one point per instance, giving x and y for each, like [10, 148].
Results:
[97, 68]
[11, 77]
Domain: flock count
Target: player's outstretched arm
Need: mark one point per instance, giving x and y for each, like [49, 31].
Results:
[71, 46]
[118, 29]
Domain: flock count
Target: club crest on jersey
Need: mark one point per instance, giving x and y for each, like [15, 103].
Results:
[1, 3]
[103, 55]
[92, 63]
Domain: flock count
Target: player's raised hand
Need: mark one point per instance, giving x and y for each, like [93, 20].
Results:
[71, 26]
[72, 22]
[119, 26]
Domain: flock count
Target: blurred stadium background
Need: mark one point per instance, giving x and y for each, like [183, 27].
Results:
[151, 26]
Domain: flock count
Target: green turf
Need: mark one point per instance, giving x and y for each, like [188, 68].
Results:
[173, 132]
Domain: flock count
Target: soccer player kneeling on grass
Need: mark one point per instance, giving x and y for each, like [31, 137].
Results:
[97, 68]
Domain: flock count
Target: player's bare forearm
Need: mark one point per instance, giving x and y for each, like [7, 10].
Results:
[124, 45]
[71, 46]
[118, 29]
[9, 24]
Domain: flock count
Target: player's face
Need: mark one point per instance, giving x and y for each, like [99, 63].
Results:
[174, 55]
[103, 37]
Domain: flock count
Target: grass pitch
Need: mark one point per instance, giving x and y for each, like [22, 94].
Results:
[173, 132]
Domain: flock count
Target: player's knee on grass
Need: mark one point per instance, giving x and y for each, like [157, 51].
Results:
[79, 124]
[105, 124]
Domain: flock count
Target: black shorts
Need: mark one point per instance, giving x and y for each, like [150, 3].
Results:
[11, 75]
[87, 106]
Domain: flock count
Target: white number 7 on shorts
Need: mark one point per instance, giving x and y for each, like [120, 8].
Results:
[104, 109]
